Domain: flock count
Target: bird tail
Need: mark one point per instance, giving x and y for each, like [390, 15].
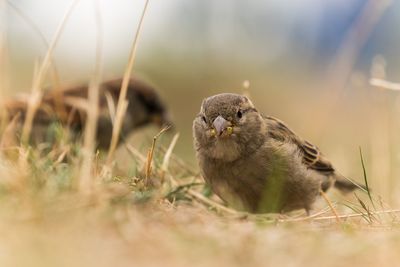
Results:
[346, 185]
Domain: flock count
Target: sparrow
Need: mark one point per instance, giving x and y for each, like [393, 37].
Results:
[256, 163]
[62, 106]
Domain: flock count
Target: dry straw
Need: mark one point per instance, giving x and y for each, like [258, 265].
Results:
[86, 177]
[36, 91]
[150, 153]
[122, 102]
[383, 84]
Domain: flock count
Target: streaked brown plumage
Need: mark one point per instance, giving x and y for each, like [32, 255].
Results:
[145, 107]
[255, 162]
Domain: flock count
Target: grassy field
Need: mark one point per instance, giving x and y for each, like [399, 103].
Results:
[66, 204]
[163, 215]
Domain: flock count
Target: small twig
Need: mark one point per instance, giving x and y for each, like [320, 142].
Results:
[345, 216]
[110, 105]
[330, 205]
[211, 203]
[357, 210]
[205, 200]
[179, 188]
[384, 84]
[62, 156]
[150, 153]
[323, 211]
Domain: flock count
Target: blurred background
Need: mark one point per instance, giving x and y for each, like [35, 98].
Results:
[307, 62]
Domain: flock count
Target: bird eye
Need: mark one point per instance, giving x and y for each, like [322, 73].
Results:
[204, 118]
[239, 114]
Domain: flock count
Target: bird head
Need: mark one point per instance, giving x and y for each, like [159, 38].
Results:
[227, 126]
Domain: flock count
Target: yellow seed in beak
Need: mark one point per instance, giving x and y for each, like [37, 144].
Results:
[213, 132]
[229, 130]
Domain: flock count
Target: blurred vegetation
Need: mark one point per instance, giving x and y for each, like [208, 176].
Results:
[288, 54]
[286, 51]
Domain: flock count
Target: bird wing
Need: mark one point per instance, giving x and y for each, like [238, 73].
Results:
[311, 155]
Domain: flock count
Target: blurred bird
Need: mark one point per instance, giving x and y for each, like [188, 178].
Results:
[65, 107]
[256, 163]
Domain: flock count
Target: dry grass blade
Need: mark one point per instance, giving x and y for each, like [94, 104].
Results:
[78, 103]
[330, 206]
[85, 183]
[367, 210]
[62, 155]
[36, 86]
[319, 213]
[180, 188]
[93, 111]
[203, 199]
[357, 210]
[344, 216]
[150, 153]
[385, 84]
[213, 204]
[121, 106]
[8, 138]
[110, 106]
[168, 154]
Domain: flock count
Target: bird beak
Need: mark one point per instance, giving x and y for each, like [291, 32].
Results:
[220, 125]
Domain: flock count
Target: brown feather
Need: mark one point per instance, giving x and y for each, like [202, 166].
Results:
[312, 156]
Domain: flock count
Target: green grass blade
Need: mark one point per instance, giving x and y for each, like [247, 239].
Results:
[365, 178]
